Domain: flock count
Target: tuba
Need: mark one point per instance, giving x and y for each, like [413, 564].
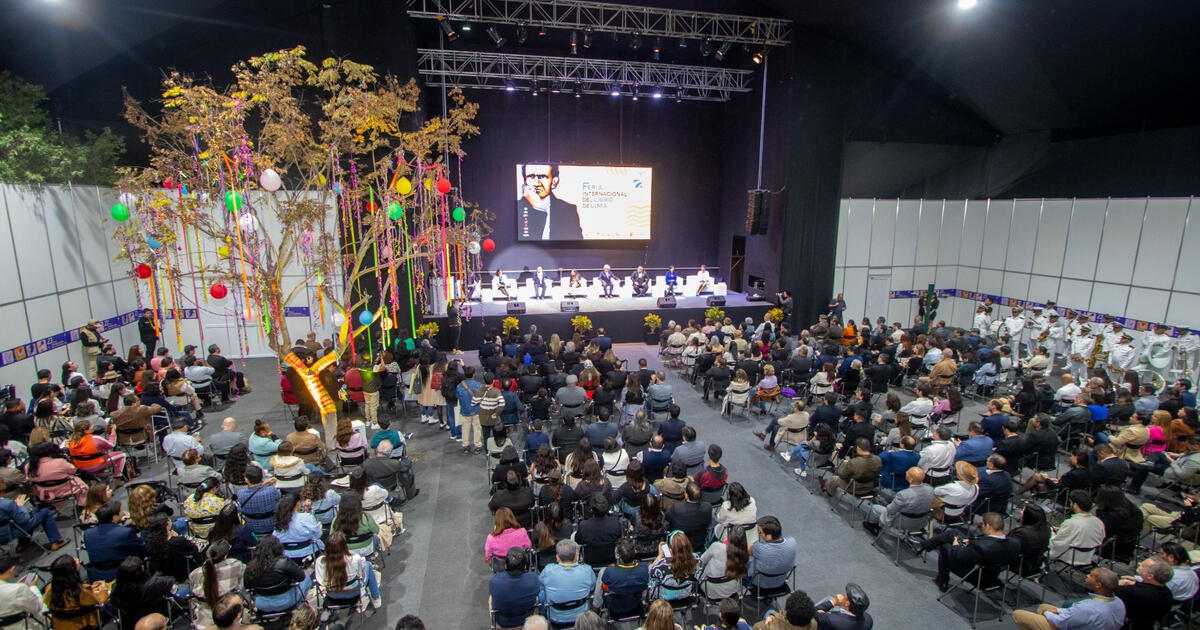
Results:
[1098, 355]
[1158, 354]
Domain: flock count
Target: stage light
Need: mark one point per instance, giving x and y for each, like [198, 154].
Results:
[683, 42]
[658, 92]
[522, 32]
[578, 89]
[447, 29]
[759, 56]
[616, 89]
[635, 42]
[657, 47]
[967, 4]
[636, 90]
[536, 89]
[496, 38]
[587, 37]
[706, 47]
[541, 31]
[555, 86]
[574, 42]
[722, 51]
[466, 27]
[509, 86]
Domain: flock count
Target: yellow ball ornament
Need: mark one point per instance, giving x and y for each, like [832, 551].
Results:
[223, 251]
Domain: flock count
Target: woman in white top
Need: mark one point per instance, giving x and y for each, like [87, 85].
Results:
[958, 495]
[737, 512]
[615, 461]
[822, 382]
[345, 576]
[724, 564]
[738, 392]
[500, 283]
[702, 279]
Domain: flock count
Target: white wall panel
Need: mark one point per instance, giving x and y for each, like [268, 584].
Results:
[856, 292]
[843, 230]
[839, 280]
[883, 233]
[1148, 304]
[64, 238]
[974, 221]
[1184, 310]
[991, 281]
[74, 308]
[8, 255]
[929, 232]
[15, 330]
[1076, 294]
[26, 213]
[1015, 284]
[1122, 224]
[1109, 298]
[52, 361]
[952, 226]
[95, 231]
[45, 317]
[103, 304]
[1052, 237]
[1086, 228]
[907, 220]
[899, 310]
[995, 233]
[1022, 235]
[1158, 251]
[857, 242]
[1041, 288]
[1186, 278]
[968, 279]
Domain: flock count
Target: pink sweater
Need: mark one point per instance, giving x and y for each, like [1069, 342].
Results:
[1157, 443]
[498, 546]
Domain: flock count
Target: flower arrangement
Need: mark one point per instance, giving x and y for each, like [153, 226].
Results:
[652, 321]
[581, 323]
[509, 324]
[430, 327]
[776, 315]
[714, 314]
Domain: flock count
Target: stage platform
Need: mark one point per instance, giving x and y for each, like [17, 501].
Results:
[621, 317]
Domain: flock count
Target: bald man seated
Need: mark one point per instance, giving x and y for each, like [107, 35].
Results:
[914, 501]
[226, 438]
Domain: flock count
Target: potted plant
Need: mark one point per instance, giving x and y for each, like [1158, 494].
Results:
[430, 327]
[715, 314]
[509, 324]
[582, 324]
[776, 315]
[653, 323]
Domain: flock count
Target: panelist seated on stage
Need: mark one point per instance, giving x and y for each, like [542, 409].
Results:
[703, 280]
[502, 285]
[542, 215]
[641, 282]
[607, 279]
[574, 284]
[540, 282]
[670, 281]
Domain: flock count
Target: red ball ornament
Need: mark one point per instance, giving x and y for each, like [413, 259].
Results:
[218, 291]
[143, 271]
[372, 207]
[488, 244]
[169, 183]
[443, 185]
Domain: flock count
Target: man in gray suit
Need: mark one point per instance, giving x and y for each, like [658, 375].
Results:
[916, 499]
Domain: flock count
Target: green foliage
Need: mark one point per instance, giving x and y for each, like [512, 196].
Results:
[33, 152]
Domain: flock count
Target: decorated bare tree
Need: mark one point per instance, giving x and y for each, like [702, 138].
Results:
[326, 167]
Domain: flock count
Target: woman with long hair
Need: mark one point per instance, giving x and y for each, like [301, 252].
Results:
[737, 511]
[116, 398]
[553, 527]
[574, 462]
[556, 490]
[649, 525]
[361, 531]
[144, 503]
[506, 533]
[135, 354]
[342, 574]
[220, 573]
[97, 495]
[660, 616]
[73, 605]
[544, 462]
[616, 462]
[633, 397]
[629, 495]
[170, 553]
[275, 580]
[428, 377]
[229, 529]
[957, 496]
[374, 500]
[673, 575]
[592, 481]
[92, 454]
[298, 532]
[724, 564]
[822, 382]
[234, 470]
[351, 445]
[137, 592]
[1184, 424]
[202, 506]
[1122, 523]
[321, 499]
[1034, 535]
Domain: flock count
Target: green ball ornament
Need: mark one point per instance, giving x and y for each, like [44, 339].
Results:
[459, 214]
[233, 201]
[395, 210]
[120, 212]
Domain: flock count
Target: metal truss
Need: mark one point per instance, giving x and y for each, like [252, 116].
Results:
[607, 17]
[501, 71]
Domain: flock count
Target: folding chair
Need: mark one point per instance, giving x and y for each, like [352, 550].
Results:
[908, 529]
[635, 616]
[10, 527]
[974, 580]
[768, 594]
[576, 606]
[11, 621]
[850, 491]
[1070, 566]
[342, 607]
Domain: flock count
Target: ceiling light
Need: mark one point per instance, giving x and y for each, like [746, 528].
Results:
[587, 37]
[683, 42]
[574, 42]
[616, 89]
[536, 90]
[658, 91]
[706, 47]
[636, 90]
[967, 4]
[466, 27]
[447, 29]
[722, 51]
[657, 47]
[496, 38]
[759, 56]
[635, 42]
[522, 32]
[541, 31]
[509, 86]
[578, 89]
[555, 86]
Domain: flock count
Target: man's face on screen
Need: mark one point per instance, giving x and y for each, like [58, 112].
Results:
[538, 177]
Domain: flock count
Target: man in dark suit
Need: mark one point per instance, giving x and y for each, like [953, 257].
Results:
[1012, 447]
[607, 279]
[991, 552]
[641, 282]
[1109, 468]
[108, 543]
[20, 424]
[995, 487]
[147, 331]
[692, 516]
[603, 341]
[541, 215]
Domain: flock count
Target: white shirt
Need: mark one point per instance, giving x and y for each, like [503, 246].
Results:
[938, 455]
[1014, 324]
[983, 322]
[1067, 393]
[1083, 345]
[16, 597]
[920, 407]
[702, 276]
[1122, 356]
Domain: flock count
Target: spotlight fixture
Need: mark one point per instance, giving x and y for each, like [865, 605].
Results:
[522, 32]
[541, 31]
[658, 92]
[451, 34]
[706, 47]
[555, 86]
[760, 55]
[578, 89]
[967, 4]
[657, 48]
[574, 42]
[616, 89]
[535, 88]
[466, 27]
[509, 86]
[722, 51]
[635, 42]
[637, 88]
[587, 37]
[496, 38]
[683, 42]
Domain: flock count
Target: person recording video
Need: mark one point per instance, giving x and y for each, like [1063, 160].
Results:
[542, 215]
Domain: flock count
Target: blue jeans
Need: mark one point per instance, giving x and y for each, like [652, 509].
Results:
[284, 601]
[455, 429]
[800, 453]
[428, 410]
[44, 518]
[372, 582]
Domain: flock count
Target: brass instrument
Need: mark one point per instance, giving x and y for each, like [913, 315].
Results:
[1043, 336]
[1097, 355]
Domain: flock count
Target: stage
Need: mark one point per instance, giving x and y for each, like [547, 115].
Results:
[621, 317]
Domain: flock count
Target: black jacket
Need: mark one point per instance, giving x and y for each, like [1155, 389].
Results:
[990, 553]
[1041, 448]
[692, 519]
[1012, 448]
[146, 330]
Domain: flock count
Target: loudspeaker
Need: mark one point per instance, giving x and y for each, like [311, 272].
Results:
[569, 306]
[716, 300]
[516, 308]
[758, 210]
[666, 302]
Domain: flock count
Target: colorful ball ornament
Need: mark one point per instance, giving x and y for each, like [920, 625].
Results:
[387, 323]
[120, 212]
[444, 185]
[223, 251]
[473, 247]
[153, 242]
[169, 183]
[366, 317]
[428, 184]
[395, 210]
[372, 207]
[337, 188]
[488, 244]
[129, 199]
[403, 186]
[218, 291]
[338, 318]
[248, 222]
[270, 180]
[143, 271]
[459, 214]
[233, 201]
